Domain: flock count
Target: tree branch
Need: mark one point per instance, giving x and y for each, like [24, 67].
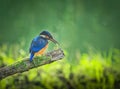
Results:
[25, 64]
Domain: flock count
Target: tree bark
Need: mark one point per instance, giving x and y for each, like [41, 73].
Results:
[25, 64]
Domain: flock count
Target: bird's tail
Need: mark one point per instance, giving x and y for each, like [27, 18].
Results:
[31, 56]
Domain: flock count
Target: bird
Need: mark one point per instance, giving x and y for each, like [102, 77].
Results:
[40, 43]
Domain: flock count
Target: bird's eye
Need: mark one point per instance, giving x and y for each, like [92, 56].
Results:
[47, 37]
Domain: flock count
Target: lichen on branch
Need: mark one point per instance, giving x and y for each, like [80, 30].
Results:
[25, 64]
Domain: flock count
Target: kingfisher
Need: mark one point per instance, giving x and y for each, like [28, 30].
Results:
[40, 43]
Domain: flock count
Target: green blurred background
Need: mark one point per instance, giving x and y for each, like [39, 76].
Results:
[84, 28]
[75, 23]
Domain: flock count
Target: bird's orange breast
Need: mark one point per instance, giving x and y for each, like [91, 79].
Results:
[41, 51]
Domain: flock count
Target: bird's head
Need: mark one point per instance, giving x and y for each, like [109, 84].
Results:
[48, 36]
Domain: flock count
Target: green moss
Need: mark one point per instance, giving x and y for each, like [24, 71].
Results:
[38, 60]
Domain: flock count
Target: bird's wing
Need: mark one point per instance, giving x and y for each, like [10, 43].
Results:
[30, 46]
[37, 44]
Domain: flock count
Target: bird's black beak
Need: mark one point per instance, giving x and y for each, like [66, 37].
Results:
[54, 41]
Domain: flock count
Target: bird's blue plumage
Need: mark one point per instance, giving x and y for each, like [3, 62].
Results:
[31, 56]
[37, 44]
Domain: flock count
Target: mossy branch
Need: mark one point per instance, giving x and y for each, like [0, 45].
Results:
[25, 64]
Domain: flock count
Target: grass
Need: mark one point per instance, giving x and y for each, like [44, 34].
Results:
[92, 70]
